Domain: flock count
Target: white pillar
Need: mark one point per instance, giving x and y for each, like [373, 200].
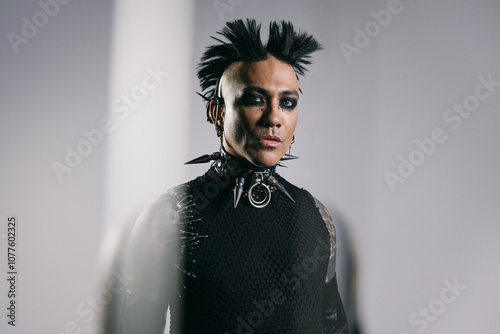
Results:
[149, 96]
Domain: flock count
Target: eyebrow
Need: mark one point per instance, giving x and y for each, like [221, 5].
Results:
[265, 92]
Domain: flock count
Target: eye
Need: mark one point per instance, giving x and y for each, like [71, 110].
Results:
[288, 103]
[252, 100]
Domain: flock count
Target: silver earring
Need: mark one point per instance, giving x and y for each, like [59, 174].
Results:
[219, 129]
[290, 147]
[288, 156]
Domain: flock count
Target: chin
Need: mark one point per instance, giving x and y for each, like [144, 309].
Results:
[266, 158]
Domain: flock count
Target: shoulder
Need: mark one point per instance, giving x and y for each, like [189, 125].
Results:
[153, 246]
[155, 233]
[325, 214]
[305, 195]
[162, 216]
[327, 219]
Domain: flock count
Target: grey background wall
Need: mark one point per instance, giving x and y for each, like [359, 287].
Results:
[397, 136]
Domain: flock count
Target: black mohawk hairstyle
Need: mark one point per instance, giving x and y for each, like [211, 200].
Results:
[244, 44]
[292, 47]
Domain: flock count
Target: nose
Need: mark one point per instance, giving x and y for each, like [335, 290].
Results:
[272, 116]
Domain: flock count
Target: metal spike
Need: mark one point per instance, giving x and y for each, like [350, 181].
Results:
[204, 158]
[288, 157]
[282, 165]
[285, 192]
[203, 97]
[238, 190]
[272, 181]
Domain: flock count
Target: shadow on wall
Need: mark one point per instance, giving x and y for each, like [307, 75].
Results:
[347, 271]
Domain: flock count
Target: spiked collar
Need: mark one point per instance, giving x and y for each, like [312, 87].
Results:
[254, 182]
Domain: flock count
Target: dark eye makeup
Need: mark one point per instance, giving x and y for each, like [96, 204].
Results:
[256, 100]
[288, 103]
[251, 100]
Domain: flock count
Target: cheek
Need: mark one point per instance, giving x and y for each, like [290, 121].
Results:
[292, 124]
[295, 119]
[243, 122]
[235, 126]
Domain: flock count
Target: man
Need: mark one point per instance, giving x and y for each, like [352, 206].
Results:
[240, 249]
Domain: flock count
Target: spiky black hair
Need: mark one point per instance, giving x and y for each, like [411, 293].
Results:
[244, 44]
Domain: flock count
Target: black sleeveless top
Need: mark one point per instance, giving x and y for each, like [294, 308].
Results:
[248, 269]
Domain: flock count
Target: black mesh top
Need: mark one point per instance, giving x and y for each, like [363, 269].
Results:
[251, 270]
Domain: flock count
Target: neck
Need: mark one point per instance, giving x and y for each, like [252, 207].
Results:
[256, 181]
[239, 166]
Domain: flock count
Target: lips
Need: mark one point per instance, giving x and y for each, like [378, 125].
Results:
[270, 141]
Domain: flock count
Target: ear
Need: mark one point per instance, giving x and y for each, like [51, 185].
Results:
[217, 111]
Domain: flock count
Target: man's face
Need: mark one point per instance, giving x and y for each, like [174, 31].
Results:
[260, 112]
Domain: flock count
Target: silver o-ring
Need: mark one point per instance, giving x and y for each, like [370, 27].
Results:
[265, 201]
